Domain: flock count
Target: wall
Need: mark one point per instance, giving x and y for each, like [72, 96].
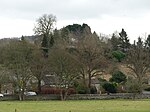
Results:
[78, 97]
[111, 96]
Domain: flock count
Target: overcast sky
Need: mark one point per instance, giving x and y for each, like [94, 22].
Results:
[17, 17]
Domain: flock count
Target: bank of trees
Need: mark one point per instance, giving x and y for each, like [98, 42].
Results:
[74, 56]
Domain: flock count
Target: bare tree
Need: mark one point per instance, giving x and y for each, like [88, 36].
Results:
[44, 27]
[5, 76]
[39, 67]
[66, 70]
[138, 59]
[45, 24]
[18, 56]
[90, 53]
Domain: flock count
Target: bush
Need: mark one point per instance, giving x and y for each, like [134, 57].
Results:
[93, 90]
[109, 87]
[80, 88]
[118, 77]
[119, 55]
[132, 85]
[147, 89]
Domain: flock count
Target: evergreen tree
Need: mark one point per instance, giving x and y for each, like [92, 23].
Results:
[44, 45]
[124, 41]
[45, 26]
[51, 41]
[22, 38]
[114, 42]
[147, 43]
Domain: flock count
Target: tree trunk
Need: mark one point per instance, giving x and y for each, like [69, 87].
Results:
[89, 84]
[39, 86]
[0, 88]
[21, 93]
[63, 94]
[140, 85]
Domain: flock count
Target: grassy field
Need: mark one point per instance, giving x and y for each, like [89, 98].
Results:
[76, 106]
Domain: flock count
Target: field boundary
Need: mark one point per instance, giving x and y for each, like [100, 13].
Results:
[79, 97]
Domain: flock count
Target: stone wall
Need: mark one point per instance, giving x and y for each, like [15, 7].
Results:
[104, 96]
[79, 97]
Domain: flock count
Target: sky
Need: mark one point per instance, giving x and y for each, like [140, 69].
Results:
[18, 17]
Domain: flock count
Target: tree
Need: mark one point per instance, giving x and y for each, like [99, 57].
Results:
[91, 55]
[87, 48]
[45, 45]
[39, 66]
[115, 42]
[5, 75]
[44, 27]
[138, 60]
[18, 56]
[124, 41]
[65, 68]
[147, 42]
[132, 86]
[75, 31]
[119, 55]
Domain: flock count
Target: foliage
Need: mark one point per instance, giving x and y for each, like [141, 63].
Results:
[147, 89]
[93, 90]
[147, 42]
[77, 28]
[80, 88]
[115, 42]
[119, 55]
[109, 87]
[75, 31]
[77, 54]
[45, 45]
[124, 41]
[118, 77]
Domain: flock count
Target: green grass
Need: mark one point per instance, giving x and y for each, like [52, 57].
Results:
[76, 106]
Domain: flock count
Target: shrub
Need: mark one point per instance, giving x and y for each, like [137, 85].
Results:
[147, 89]
[132, 85]
[109, 87]
[80, 88]
[93, 90]
[118, 77]
[119, 55]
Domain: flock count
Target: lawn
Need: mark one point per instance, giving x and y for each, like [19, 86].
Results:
[76, 106]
